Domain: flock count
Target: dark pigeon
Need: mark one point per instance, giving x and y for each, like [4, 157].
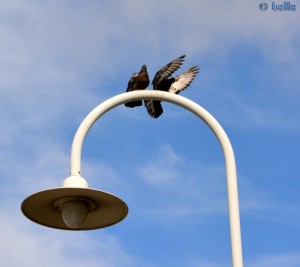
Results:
[166, 71]
[173, 85]
[138, 81]
[154, 107]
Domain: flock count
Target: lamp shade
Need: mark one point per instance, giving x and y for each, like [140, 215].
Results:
[45, 208]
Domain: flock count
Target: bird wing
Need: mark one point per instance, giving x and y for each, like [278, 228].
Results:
[183, 80]
[154, 108]
[131, 82]
[166, 71]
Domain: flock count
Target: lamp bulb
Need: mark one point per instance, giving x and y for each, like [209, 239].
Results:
[74, 213]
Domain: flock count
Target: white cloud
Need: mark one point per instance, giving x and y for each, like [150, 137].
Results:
[195, 188]
[246, 111]
[64, 44]
[58, 50]
[199, 189]
[162, 172]
[28, 246]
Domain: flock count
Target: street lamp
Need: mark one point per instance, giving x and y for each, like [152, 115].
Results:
[75, 206]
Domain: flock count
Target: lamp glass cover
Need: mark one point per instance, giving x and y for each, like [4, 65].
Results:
[74, 213]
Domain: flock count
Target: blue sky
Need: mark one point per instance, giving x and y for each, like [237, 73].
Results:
[60, 59]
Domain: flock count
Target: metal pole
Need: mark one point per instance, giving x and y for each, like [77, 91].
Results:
[232, 188]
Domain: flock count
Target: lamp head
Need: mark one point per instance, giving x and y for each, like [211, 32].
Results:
[74, 206]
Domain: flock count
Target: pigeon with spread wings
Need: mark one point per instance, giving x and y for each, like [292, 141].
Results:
[173, 85]
[138, 81]
[166, 71]
[154, 107]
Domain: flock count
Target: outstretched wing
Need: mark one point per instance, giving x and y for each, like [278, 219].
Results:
[166, 71]
[183, 80]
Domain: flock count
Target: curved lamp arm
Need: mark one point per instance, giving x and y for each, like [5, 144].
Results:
[232, 188]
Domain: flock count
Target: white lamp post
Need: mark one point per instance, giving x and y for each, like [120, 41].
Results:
[75, 206]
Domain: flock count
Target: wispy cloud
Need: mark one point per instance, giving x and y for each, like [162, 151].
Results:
[195, 188]
[247, 113]
[28, 246]
[199, 189]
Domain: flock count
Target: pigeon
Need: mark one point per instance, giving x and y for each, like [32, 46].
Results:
[154, 107]
[173, 85]
[166, 71]
[138, 81]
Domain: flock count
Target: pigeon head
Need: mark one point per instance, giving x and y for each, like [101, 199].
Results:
[144, 67]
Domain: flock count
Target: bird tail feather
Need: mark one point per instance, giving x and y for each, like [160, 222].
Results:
[134, 104]
[154, 108]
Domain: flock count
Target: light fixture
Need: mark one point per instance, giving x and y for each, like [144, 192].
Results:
[75, 206]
